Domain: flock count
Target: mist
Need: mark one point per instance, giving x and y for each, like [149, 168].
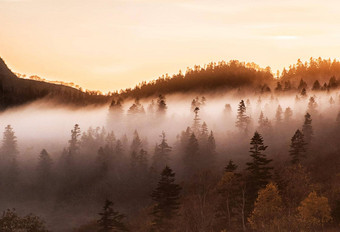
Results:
[68, 202]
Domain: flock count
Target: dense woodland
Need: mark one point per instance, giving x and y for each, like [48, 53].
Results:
[222, 77]
[271, 163]
[244, 160]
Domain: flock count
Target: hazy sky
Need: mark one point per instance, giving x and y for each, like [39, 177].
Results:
[108, 45]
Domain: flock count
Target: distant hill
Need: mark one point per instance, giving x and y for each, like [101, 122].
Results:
[222, 76]
[315, 70]
[212, 77]
[17, 91]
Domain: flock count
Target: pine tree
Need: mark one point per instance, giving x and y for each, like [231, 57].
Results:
[136, 108]
[312, 105]
[302, 85]
[307, 128]
[209, 160]
[197, 121]
[297, 147]
[231, 167]
[288, 114]
[44, 170]
[316, 86]
[192, 156]
[259, 169]
[242, 119]
[74, 141]
[166, 197]
[136, 144]
[161, 156]
[161, 104]
[278, 87]
[9, 152]
[278, 115]
[111, 220]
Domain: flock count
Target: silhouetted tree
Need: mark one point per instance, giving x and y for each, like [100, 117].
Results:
[316, 86]
[166, 197]
[259, 169]
[278, 115]
[111, 220]
[297, 147]
[288, 114]
[242, 118]
[161, 156]
[161, 104]
[307, 128]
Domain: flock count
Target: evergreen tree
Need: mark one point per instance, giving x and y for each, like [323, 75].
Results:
[242, 118]
[303, 92]
[312, 105]
[74, 141]
[166, 197]
[136, 108]
[307, 128]
[111, 220]
[192, 156]
[297, 147]
[288, 114]
[136, 144]
[231, 167]
[161, 104]
[316, 86]
[9, 152]
[44, 171]
[278, 115]
[278, 87]
[197, 121]
[302, 85]
[161, 157]
[258, 169]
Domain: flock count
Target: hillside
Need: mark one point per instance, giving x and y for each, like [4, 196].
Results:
[212, 77]
[16, 91]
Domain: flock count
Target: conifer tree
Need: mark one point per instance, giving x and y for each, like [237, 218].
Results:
[74, 141]
[288, 114]
[278, 115]
[111, 220]
[197, 122]
[278, 87]
[307, 128]
[259, 169]
[161, 156]
[302, 85]
[9, 152]
[312, 105]
[316, 86]
[297, 147]
[161, 104]
[44, 170]
[241, 119]
[166, 197]
[192, 156]
[231, 167]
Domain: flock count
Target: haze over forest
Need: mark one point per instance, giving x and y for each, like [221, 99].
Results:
[224, 147]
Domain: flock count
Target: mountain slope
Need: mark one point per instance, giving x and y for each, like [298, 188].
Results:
[16, 91]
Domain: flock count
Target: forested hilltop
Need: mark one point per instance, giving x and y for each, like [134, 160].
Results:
[317, 74]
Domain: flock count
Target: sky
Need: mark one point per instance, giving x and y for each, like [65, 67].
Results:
[108, 45]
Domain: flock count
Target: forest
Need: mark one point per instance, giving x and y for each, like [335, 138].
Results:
[177, 162]
[220, 77]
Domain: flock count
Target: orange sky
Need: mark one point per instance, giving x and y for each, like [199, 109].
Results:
[113, 44]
